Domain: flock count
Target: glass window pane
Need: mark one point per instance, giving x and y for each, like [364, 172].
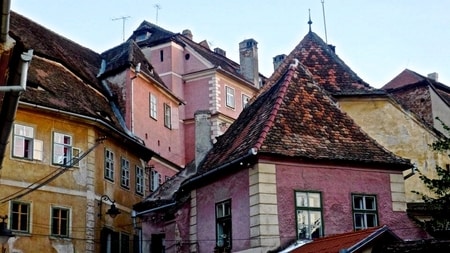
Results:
[359, 220]
[358, 202]
[370, 203]
[301, 198]
[371, 220]
[314, 199]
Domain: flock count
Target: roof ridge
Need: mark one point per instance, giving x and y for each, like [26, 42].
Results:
[280, 95]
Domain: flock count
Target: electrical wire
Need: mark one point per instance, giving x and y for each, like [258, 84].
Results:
[50, 177]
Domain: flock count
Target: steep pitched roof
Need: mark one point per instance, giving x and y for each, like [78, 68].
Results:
[327, 69]
[410, 79]
[82, 61]
[348, 242]
[148, 34]
[295, 118]
[125, 55]
[412, 91]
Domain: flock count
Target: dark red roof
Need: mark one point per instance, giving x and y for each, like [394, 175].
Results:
[327, 69]
[82, 61]
[352, 241]
[413, 92]
[295, 118]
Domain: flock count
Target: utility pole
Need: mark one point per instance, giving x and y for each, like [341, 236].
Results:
[157, 7]
[124, 18]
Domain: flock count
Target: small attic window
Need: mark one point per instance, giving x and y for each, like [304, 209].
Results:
[143, 36]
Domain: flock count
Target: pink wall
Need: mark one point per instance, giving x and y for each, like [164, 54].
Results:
[236, 188]
[336, 185]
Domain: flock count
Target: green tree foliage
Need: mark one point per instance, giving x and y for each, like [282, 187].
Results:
[438, 202]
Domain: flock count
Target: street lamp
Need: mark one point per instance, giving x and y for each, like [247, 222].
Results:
[5, 233]
[113, 211]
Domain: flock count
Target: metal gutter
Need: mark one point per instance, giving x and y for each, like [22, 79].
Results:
[10, 103]
[4, 30]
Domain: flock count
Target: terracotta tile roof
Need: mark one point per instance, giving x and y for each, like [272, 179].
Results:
[82, 61]
[327, 69]
[412, 91]
[294, 117]
[352, 241]
[52, 85]
[125, 55]
[410, 79]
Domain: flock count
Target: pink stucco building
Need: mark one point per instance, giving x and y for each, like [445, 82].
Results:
[292, 166]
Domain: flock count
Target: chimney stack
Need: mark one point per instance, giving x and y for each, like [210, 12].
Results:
[188, 34]
[434, 76]
[248, 55]
[220, 51]
[203, 141]
[277, 60]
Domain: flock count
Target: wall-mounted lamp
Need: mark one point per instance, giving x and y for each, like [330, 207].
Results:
[113, 211]
[5, 233]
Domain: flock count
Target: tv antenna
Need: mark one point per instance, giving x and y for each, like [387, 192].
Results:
[157, 7]
[123, 18]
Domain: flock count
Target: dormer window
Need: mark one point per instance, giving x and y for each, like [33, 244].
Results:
[143, 36]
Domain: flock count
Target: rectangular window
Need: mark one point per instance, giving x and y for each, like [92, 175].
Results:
[230, 97]
[139, 180]
[308, 214]
[20, 217]
[124, 243]
[155, 179]
[62, 149]
[245, 100]
[109, 165]
[60, 222]
[223, 225]
[125, 173]
[161, 55]
[23, 141]
[153, 108]
[364, 211]
[167, 116]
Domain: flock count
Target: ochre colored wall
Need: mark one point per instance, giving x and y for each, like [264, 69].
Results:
[399, 132]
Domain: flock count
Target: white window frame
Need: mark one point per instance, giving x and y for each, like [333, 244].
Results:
[62, 149]
[155, 180]
[308, 214]
[153, 101]
[140, 185]
[109, 165]
[59, 220]
[167, 116]
[245, 99]
[365, 212]
[230, 97]
[125, 173]
[24, 144]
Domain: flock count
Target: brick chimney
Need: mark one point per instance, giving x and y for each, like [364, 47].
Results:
[203, 141]
[248, 55]
[188, 34]
[277, 60]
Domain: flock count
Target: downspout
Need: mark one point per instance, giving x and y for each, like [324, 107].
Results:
[10, 103]
[6, 6]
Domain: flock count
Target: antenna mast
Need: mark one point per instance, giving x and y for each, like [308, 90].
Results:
[324, 21]
[124, 18]
[157, 7]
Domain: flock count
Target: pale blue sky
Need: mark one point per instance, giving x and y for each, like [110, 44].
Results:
[376, 38]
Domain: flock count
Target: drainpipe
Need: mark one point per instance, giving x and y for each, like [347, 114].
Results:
[10, 103]
[6, 6]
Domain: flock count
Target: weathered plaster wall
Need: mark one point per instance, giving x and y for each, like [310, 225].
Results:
[336, 185]
[236, 188]
[440, 110]
[399, 132]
